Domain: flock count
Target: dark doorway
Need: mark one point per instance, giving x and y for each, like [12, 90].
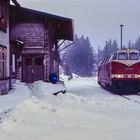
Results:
[32, 68]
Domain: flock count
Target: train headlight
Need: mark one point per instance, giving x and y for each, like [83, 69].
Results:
[120, 76]
[117, 76]
[125, 76]
[138, 75]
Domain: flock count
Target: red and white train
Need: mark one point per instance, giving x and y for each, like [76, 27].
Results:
[121, 70]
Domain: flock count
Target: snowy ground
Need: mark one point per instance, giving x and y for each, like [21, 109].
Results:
[86, 112]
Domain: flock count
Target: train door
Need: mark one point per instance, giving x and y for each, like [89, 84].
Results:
[33, 69]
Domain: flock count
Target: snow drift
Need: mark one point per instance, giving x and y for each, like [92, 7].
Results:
[88, 112]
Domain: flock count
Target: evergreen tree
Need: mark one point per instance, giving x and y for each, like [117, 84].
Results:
[80, 57]
[137, 44]
[130, 45]
[109, 48]
[100, 55]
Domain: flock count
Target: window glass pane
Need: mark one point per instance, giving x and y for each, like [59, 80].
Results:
[3, 16]
[3, 56]
[38, 61]
[122, 56]
[2, 62]
[28, 61]
[133, 56]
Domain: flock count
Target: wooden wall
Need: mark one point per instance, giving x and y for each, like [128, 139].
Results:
[38, 41]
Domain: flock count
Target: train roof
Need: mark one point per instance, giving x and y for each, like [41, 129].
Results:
[127, 50]
[110, 58]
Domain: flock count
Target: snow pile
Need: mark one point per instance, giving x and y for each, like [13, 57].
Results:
[85, 112]
[41, 88]
[18, 94]
[33, 119]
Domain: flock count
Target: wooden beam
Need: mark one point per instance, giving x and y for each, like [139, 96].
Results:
[16, 3]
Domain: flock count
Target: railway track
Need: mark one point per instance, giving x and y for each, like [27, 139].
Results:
[130, 98]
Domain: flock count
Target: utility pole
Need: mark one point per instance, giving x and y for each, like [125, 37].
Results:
[121, 34]
[106, 48]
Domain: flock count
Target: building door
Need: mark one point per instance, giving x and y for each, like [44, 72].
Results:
[33, 69]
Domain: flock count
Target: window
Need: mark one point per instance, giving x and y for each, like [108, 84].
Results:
[3, 55]
[2, 62]
[133, 56]
[106, 59]
[122, 56]
[53, 48]
[38, 61]
[28, 61]
[3, 14]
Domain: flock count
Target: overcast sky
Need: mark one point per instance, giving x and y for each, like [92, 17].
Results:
[98, 19]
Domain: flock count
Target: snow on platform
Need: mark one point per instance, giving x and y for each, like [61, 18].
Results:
[85, 112]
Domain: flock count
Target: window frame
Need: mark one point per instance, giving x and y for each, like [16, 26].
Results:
[38, 61]
[3, 60]
[131, 54]
[123, 54]
[3, 15]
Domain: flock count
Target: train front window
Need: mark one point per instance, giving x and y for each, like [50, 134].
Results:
[122, 56]
[133, 56]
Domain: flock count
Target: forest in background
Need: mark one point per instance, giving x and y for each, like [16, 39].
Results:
[81, 58]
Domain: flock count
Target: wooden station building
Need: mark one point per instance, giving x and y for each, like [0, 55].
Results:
[35, 40]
